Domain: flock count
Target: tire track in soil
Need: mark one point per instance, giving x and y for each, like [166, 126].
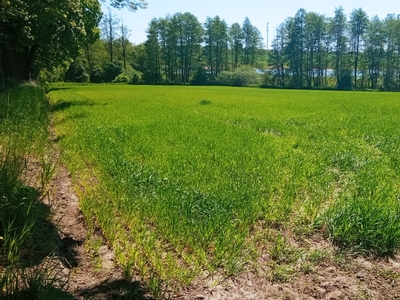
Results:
[87, 278]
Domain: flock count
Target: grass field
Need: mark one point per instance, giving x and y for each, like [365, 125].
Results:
[183, 180]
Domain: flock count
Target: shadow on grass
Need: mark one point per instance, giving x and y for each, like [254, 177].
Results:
[63, 105]
[41, 278]
[58, 89]
[118, 289]
[49, 293]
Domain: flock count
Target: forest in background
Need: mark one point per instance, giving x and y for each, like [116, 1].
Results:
[77, 42]
[309, 50]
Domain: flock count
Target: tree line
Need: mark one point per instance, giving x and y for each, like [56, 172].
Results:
[75, 41]
[178, 50]
[311, 50]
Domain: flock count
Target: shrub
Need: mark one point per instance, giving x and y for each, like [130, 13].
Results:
[121, 78]
[205, 102]
[97, 75]
[365, 225]
[76, 73]
[136, 77]
[151, 77]
[200, 78]
[111, 71]
[345, 81]
[242, 76]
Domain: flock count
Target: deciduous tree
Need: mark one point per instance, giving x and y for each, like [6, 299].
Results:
[43, 34]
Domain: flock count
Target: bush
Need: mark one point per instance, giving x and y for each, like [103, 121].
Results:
[97, 75]
[345, 81]
[242, 76]
[121, 78]
[76, 73]
[136, 77]
[53, 75]
[111, 71]
[151, 77]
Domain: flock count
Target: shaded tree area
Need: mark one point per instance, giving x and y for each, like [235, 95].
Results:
[44, 37]
[43, 34]
[313, 51]
[111, 57]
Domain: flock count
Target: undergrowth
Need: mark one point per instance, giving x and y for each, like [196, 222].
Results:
[25, 170]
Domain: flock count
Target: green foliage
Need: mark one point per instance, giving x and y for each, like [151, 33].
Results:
[97, 75]
[136, 77]
[76, 73]
[121, 78]
[360, 53]
[216, 44]
[45, 281]
[23, 132]
[282, 252]
[205, 102]
[345, 82]
[55, 74]
[132, 5]
[111, 71]
[366, 225]
[200, 78]
[25, 234]
[44, 34]
[243, 76]
[151, 78]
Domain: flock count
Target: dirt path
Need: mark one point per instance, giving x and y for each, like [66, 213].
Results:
[86, 258]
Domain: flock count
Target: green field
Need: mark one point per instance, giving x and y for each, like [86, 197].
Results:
[183, 180]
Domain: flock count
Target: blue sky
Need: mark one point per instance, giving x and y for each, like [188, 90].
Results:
[259, 12]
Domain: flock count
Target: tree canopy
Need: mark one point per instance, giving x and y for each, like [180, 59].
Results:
[131, 5]
[42, 34]
[36, 35]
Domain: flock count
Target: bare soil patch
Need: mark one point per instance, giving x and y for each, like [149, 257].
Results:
[85, 256]
[361, 279]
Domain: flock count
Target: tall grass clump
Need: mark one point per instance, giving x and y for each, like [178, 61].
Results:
[365, 218]
[365, 226]
[25, 170]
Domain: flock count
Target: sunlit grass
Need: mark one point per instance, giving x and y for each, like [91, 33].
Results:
[178, 186]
